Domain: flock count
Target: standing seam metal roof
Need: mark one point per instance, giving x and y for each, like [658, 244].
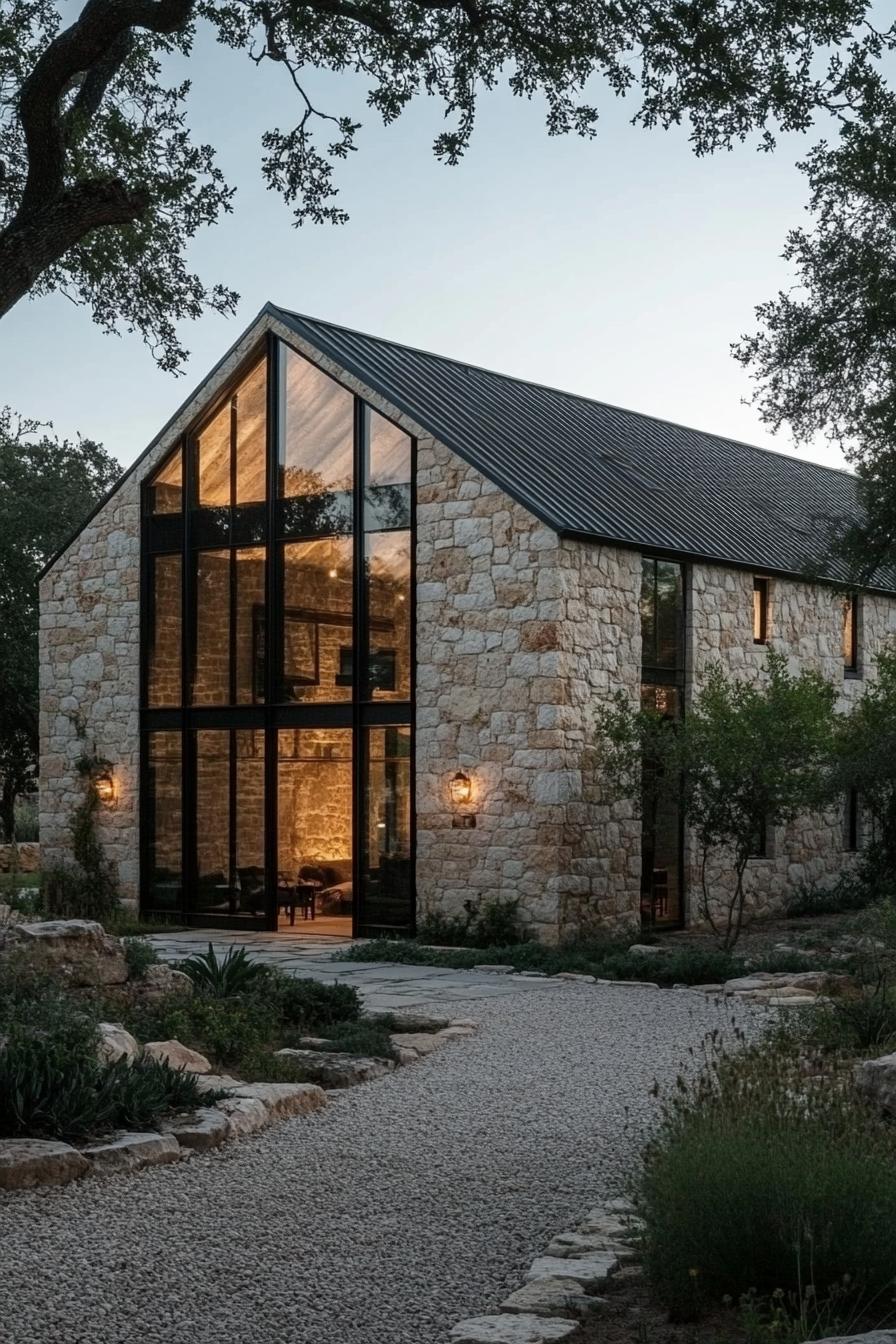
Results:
[594, 470]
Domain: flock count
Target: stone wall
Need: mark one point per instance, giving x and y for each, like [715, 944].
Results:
[805, 622]
[23, 857]
[519, 634]
[90, 654]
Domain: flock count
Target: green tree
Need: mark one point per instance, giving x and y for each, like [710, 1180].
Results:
[823, 356]
[865, 756]
[47, 487]
[102, 187]
[745, 757]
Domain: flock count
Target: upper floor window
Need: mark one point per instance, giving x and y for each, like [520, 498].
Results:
[662, 620]
[332, 549]
[166, 492]
[760, 610]
[851, 635]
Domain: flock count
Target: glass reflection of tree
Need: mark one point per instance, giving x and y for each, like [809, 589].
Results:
[321, 507]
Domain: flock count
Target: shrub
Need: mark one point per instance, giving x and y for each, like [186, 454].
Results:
[853, 891]
[310, 1005]
[367, 1037]
[68, 893]
[605, 958]
[224, 1029]
[139, 955]
[27, 819]
[48, 1088]
[492, 922]
[222, 978]
[764, 1177]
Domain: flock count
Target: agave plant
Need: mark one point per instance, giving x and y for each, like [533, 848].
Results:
[220, 978]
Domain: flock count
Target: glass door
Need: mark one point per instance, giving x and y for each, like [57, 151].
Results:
[386, 858]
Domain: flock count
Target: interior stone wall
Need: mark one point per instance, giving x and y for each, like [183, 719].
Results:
[805, 622]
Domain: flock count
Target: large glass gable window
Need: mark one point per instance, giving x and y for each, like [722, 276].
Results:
[277, 653]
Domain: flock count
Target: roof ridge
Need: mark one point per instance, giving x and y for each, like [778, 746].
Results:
[564, 392]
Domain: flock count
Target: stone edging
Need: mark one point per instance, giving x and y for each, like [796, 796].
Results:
[248, 1108]
[562, 1285]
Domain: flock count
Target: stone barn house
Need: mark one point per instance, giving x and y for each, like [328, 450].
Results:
[342, 628]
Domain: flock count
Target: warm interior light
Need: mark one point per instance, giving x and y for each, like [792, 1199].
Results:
[461, 788]
[105, 787]
[334, 573]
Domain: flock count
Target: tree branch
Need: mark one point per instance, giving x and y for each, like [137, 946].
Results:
[32, 243]
[93, 40]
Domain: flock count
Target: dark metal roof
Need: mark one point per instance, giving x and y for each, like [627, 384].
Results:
[593, 470]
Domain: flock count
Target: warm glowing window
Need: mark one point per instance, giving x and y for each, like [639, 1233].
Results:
[851, 635]
[317, 451]
[231, 447]
[166, 486]
[760, 611]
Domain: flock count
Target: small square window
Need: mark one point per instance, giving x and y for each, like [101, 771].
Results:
[851, 666]
[760, 611]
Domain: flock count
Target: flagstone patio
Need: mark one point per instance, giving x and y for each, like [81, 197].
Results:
[384, 986]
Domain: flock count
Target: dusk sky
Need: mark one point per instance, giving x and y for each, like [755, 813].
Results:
[620, 268]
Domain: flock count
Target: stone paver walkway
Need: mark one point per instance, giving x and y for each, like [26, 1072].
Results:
[384, 986]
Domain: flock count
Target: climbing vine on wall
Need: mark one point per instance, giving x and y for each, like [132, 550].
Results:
[87, 889]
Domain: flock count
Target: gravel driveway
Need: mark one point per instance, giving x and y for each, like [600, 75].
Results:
[408, 1204]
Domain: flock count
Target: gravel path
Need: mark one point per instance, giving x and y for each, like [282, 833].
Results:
[409, 1203]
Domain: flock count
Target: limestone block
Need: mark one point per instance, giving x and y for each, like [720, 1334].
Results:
[28, 1162]
[513, 1329]
[177, 1056]
[129, 1152]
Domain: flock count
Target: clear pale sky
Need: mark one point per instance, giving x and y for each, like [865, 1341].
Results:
[620, 268]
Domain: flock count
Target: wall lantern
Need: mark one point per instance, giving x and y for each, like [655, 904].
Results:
[105, 787]
[461, 789]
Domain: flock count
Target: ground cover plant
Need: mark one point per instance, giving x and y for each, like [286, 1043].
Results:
[241, 1012]
[608, 959]
[53, 1083]
[769, 1183]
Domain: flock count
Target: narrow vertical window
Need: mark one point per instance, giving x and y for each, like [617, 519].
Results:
[760, 610]
[852, 821]
[851, 635]
[759, 845]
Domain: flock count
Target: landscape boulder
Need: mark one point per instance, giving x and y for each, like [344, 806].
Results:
[28, 1162]
[129, 1152]
[334, 1068]
[876, 1081]
[511, 1329]
[158, 982]
[177, 1056]
[78, 949]
[115, 1043]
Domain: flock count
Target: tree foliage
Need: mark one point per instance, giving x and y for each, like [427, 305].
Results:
[47, 487]
[865, 760]
[745, 757]
[102, 187]
[823, 355]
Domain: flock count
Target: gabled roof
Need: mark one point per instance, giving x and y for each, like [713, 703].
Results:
[592, 470]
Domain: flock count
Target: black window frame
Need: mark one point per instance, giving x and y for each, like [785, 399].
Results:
[761, 586]
[186, 537]
[852, 821]
[852, 661]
